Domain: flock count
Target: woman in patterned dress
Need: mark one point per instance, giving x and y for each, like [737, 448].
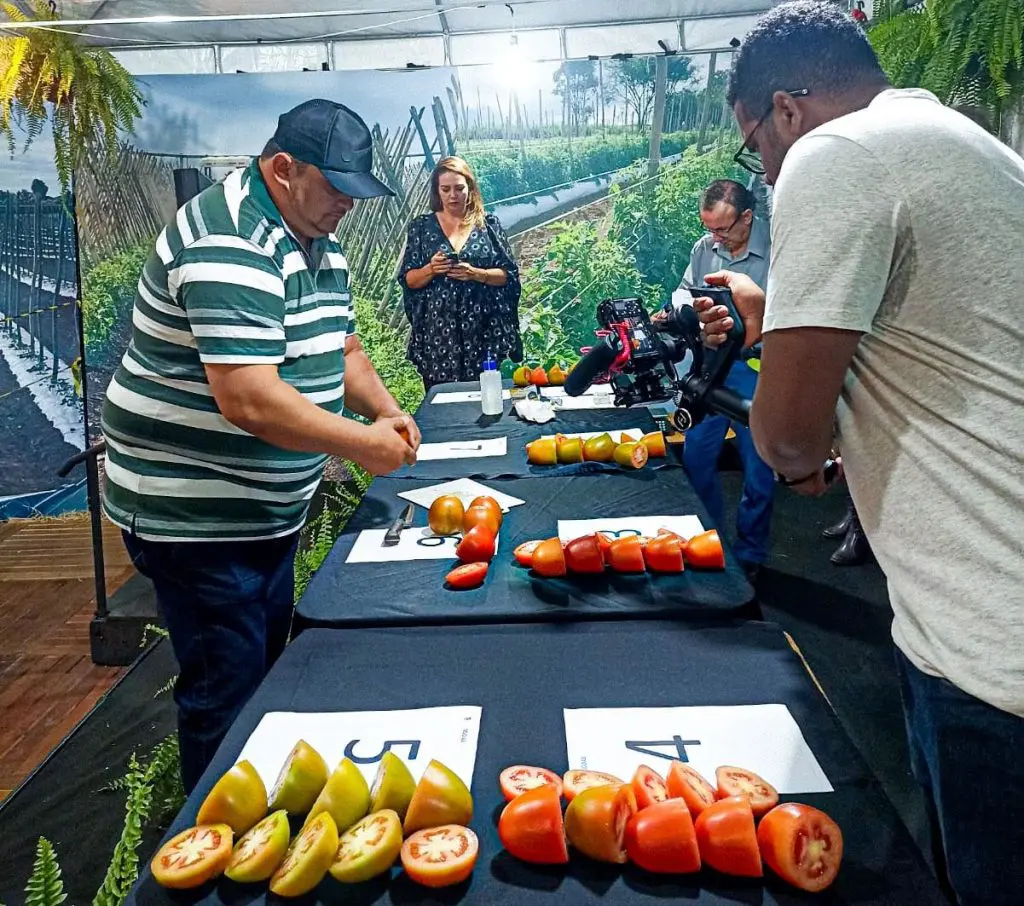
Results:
[460, 282]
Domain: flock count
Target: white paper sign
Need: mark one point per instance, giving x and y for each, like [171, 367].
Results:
[761, 738]
[465, 489]
[634, 433]
[464, 396]
[416, 736]
[415, 543]
[592, 390]
[646, 526]
[584, 402]
[463, 449]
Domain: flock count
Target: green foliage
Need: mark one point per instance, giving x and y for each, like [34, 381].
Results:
[45, 887]
[504, 173]
[545, 341]
[108, 294]
[386, 348]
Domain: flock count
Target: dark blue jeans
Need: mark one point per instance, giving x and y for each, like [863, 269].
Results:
[228, 608]
[700, 456]
[969, 759]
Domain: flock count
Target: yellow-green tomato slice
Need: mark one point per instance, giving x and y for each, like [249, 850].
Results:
[440, 798]
[238, 799]
[345, 795]
[369, 848]
[392, 787]
[301, 779]
[307, 859]
[262, 848]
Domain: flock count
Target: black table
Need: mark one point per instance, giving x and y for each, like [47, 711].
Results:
[523, 676]
[413, 592]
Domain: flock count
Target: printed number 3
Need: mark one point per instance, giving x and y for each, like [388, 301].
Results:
[413, 744]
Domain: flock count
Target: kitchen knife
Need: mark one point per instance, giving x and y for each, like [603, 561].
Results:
[402, 522]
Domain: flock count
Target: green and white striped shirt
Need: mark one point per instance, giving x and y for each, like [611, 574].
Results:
[228, 283]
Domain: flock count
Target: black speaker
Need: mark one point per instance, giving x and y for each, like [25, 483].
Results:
[188, 183]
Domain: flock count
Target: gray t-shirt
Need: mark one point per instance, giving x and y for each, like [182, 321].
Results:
[905, 221]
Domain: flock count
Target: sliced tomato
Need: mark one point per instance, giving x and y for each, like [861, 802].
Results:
[519, 778]
[604, 541]
[739, 782]
[476, 545]
[802, 845]
[524, 553]
[261, 849]
[664, 554]
[440, 856]
[727, 838]
[238, 799]
[626, 555]
[469, 575]
[441, 797]
[193, 857]
[308, 858]
[583, 555]
[648, 787]
[531, 827]
[368, 848]
[683, 782]
[705, 551]
[575, 782]
[549, 558]
[596, 819]
[661, 838]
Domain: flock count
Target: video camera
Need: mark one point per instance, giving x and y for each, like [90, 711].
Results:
[638, 358]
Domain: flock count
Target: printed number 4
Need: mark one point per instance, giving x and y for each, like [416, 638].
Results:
[677, 744]
[413, 744]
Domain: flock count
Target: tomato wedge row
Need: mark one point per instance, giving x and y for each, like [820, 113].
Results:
[666, 552]
[671, 825]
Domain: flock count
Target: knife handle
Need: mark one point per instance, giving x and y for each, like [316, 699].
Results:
[393, 533]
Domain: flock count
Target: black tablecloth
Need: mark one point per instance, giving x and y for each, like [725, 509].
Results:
[413, 592]
[523, 676]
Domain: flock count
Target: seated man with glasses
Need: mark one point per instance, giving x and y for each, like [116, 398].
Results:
[735, 241]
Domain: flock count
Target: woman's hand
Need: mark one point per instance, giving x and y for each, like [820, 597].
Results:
[463, 271]
[439, 264]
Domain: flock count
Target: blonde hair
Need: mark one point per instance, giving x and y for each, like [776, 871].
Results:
[475, 203]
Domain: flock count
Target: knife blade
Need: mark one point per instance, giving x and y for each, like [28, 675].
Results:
[402, 522]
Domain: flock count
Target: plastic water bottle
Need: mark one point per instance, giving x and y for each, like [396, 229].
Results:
[490, 388]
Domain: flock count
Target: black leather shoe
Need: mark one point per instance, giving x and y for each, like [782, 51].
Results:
[855, 550]
[839, 529]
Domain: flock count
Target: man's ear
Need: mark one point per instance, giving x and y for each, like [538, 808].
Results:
[282, 166]
[791, 113]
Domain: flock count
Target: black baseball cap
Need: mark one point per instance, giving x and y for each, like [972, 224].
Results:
[335, 140]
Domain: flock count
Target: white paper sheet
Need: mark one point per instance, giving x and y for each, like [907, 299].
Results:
[686, 526]
[465, 489]
[592, 390]
[634, 433]
[602, 401]
[415, 543]
[448, 734]
[463, 449]
[464, 396]
[761, 738]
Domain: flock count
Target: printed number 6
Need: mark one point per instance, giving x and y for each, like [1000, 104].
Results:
[413, 744]
[436, 540]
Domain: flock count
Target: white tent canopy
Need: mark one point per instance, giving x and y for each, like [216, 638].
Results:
[258, 35]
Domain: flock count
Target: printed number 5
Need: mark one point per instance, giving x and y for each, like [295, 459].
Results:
[413, 744]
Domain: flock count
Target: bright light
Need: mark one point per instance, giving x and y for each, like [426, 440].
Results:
[514, 68]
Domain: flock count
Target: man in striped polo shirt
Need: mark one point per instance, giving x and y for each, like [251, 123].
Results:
[229, 400]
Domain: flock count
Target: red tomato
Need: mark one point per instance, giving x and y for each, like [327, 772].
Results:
[476, 545]
[519, 778]
[193, 857]
[738, 782]
[524, 553]
[491, 504]
[705, 550]
[549, 558]
[440, 856]
[596, 819]
[583, 555]
[661, 838]
[531, 827]
[604, 541]
[802, 845]
[664, 554]
[683, 782]
[727, 839]
[469, 575]
[626, 555]
[481, 515]
[575, 782]
[648, 787]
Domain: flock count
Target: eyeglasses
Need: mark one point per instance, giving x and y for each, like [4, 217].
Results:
[728, 229]
[751, 160]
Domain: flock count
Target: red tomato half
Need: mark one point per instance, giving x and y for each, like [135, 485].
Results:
[583, 555]
[575, 782]
[469, 575]
[705, 550]
[531, 827]
[683, 782]
[440, 856]
[519, 778]
[648, 787]
[802, 845]
[193, 857]
[626, 555]
[604, 541]
[524, 553]
[549, 558]
[661, 838]
[664, 554]
[596, 819]
[727, 839]
[738, 782]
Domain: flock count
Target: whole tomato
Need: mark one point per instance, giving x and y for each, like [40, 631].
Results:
[477, 545]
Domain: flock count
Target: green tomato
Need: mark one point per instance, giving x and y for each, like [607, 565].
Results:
[238, 799]
[307, 859]
[301, 779]
[345, 795]
[440, 798]
[392, 787]
[369, 848]
[257, 855]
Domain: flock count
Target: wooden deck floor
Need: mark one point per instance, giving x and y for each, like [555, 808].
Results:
[48, 681]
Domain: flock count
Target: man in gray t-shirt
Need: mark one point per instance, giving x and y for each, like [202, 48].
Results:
[894, 309]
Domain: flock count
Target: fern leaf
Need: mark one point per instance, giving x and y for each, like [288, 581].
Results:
[45, 886]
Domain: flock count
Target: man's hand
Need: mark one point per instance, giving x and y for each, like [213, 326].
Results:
[816, 484]
[384, 447]
[659, 316]
[411, 428]
[749, 299]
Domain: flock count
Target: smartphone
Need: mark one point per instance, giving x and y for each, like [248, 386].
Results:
[720, 295]
[453, 257]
